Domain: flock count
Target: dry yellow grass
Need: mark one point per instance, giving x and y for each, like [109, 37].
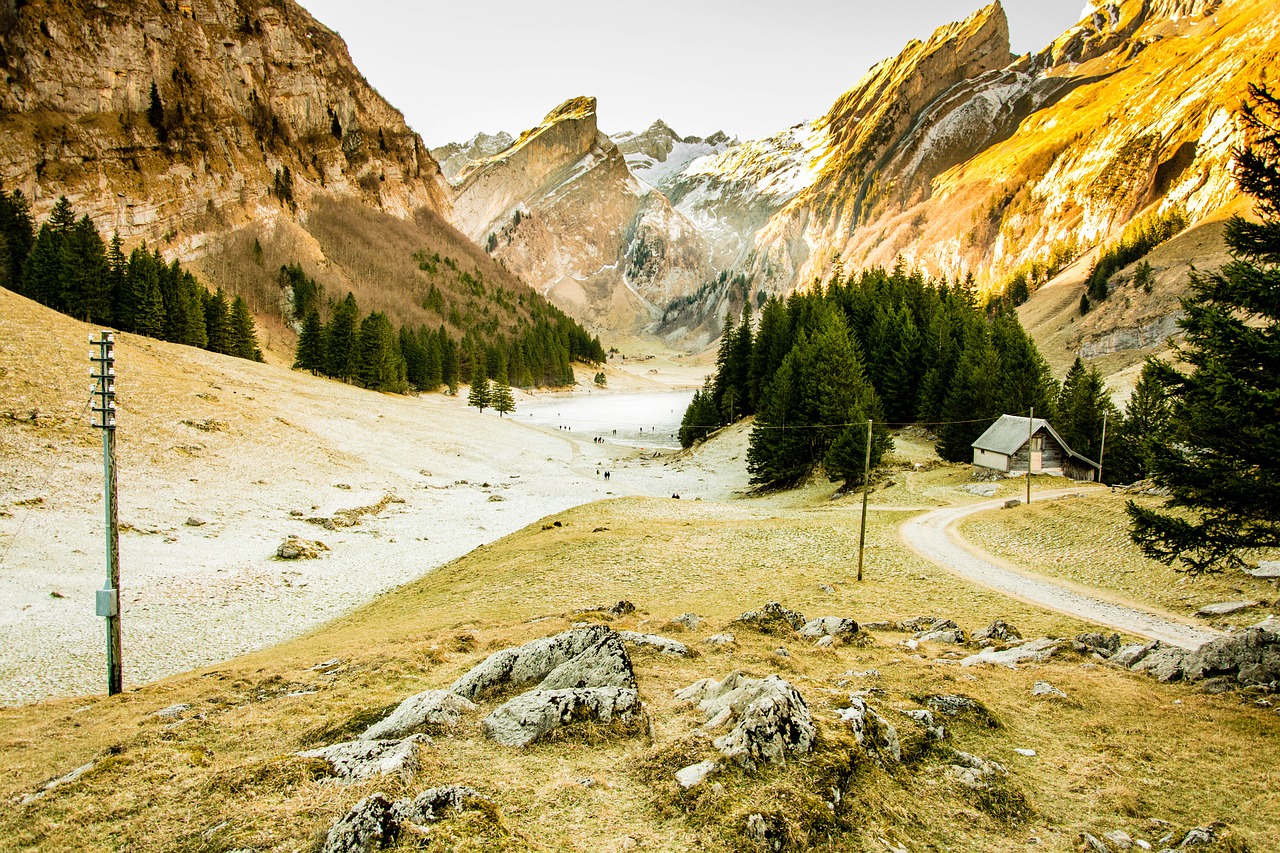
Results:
[1122, 751]
[1086, 541]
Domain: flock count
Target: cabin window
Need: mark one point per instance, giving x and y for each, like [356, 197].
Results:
[1037, 444]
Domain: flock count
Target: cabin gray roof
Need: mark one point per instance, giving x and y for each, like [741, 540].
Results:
[1010, 433]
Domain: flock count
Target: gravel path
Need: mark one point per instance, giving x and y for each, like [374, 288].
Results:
[931, 536]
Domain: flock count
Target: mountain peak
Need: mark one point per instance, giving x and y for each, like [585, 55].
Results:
[580, 107]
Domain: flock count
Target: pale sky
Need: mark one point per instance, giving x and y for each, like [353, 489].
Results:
[748, 67]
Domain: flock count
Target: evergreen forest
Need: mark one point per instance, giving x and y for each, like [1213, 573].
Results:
[337, 340]
[897, 349]
[67, 266]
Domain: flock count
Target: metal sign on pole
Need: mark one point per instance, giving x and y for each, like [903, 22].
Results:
[103, 372]
[866, 482]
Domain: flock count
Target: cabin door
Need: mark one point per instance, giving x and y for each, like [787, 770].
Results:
[1037, 453]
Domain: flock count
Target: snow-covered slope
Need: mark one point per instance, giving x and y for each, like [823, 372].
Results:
[658, 155]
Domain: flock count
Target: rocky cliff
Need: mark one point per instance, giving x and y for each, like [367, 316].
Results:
[170, 120]
[560, 208]
[455, 156]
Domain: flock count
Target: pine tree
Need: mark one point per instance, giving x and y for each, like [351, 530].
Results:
[700, 418]
[1025, 378]
[340, 339]
[1081, 408]
[155, 114]
[310, 353]
[85, 274]
[217, 323]
[140, 307]
[379, 364]
[17, 233]
[479, 395]
[1146, 416]
[42, 272]
[1219, 455]
[973, 402]
[244, 337]
[501, 398]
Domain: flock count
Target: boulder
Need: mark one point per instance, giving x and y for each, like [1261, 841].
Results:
[1251, 655]
[1165, 663]
[371, 825]
[1129, 655]
[945, 631]
[982, 490]
[605, 663]
[1033, 651]
[296, 548]
[919, 624]
[953, 706]
[696, 774]
[1119, 839]
[1199, 837]
[653, 641]
[998, 631]
[364, 759]
[1092, 844]
[687, 621]
[773, 618]
[1224, 608]
[536, 714]
[770, 718]
[1104, 644]
[872, 732]
[1011, 503]
[533, 661]
[974, 772]
[829, 626]
[434, 803]
[173, 711]
[427, 711]
[924, 717]
[720, 640]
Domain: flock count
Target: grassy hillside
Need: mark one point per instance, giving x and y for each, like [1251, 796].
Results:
[1121, 752]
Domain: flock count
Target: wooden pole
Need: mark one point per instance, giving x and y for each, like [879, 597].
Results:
[866, 484]
[1031, 432]
[1102, 451]
[108, 598]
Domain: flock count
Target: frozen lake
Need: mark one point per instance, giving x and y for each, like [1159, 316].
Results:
[649, 419]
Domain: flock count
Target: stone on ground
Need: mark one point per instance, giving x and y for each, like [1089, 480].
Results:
[975, 772]
[604, 663]
[696, 774]
[872, 732]
[432, 803]
[773, 618]
[945, 631]
[533, 661]
[1224, 608]
[1267, 569]
[370, 825]
[982, 490]
[1164, 663]
[1044, 688]
[427, 711]
[998, 631]
[1104, 644]
[1030, 652]
[829, 626]
[654, 641]
[1251, 655]
[364, 759]
[770, 718]
[532, 716]
[296, 548]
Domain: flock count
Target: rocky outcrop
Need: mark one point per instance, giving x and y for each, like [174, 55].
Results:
[364, 759]
[456, 156]
[376, 822]
[429, 711]
[534, 661]
[658, 154]
[769, 718]
[873, 732]
[241, 94]
[773, 618]
[561, 209]
[532, 716]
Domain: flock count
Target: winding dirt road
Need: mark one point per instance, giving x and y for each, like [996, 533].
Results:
[931, 536]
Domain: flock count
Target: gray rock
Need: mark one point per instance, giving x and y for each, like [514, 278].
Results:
[872, 732]
[770, 718]
[827, 588]
[605, 663]
[1044, 688]
[434, 803]
[1251, 655]
[825, 642]
[720, 640]
[1011, 503]
[195, 522]
[974, 772]
[688, 621]
[1119, 839]
[883, 625]
[920, 623]
[536, 714]
[622, 608]
[1030, 652]
[1104, 644]
[1199, 837]
[829, 626]
[427, 711]
[364, 759]
[943, 632]
[982, 490]
[1165, 663]
[924, 717]
[953, 706]
[1267, 570]
[696, 774]
[173, 711]
[1224, 608]
[653, 641]
[1129, 655]
[1092, 844]
[998, 631]
[370, 825]
[782, 652]
[533, 661]
[773, 618]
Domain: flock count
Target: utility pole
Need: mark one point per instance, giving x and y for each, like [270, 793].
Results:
[866, 485]
[1102, 451]
[1031, 432]
[104, 409]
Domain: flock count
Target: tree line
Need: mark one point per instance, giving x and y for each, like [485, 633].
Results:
[67, 266]
[894, 348]
[338, 341]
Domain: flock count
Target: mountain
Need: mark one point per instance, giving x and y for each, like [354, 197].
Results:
[455, 156]
[239, 137]
[658, 154]
[560, 208]
[959, 159]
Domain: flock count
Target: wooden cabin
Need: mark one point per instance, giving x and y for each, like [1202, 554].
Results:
[1009, 443]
